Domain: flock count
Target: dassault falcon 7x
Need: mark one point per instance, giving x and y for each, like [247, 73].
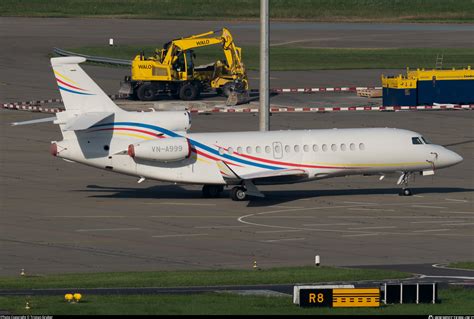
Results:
[157, 146]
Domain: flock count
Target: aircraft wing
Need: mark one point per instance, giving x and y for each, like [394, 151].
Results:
[276, 173]
[264, 176]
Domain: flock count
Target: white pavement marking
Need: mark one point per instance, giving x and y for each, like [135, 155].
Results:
[398, 217]
[207, 227]
[178, 235]
[431, 230]
[457, 200]
[277, 240]
[434, 222]
[361, 235]
[449, 212]
[88, 216]
[179, 204]
[107, 229]
[373, 209]
[458, 224]
[278, 231]
[281, 206]
[374, 227]
[425, 206]
[174, 216]
[458, 235]
[334, 224]
[258, 215]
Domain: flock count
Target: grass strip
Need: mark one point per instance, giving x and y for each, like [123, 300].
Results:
[453, 301]
[462, 265]
[287, 275]
[305, 10]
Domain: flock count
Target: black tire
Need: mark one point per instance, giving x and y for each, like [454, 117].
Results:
[238, 194]
[146, 92]
[406, 192]
[188, 92]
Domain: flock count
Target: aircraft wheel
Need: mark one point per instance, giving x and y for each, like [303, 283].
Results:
[238, 194]
[406, 192]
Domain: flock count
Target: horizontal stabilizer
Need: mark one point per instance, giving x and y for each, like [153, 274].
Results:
[85, 120]
[44, 120]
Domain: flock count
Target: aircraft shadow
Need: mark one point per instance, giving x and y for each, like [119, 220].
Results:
[272, 197]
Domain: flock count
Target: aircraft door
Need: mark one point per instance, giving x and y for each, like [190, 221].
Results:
[277, 150]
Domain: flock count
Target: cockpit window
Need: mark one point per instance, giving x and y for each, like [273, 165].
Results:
[416, 140]
[426, 140]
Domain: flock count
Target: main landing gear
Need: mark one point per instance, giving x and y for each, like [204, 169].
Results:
[238, 193]
[405, 191]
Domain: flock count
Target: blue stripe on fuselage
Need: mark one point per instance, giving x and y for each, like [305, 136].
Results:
[194, 143]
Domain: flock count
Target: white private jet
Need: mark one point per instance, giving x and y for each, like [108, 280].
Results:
[156, 145]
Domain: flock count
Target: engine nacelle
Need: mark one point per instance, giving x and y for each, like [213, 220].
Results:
[163, 150]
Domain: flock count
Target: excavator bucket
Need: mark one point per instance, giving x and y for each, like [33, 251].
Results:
[236, 98]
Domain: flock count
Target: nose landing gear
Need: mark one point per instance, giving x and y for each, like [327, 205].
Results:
[404, 180]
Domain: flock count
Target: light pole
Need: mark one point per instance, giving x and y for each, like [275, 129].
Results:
[264, 92]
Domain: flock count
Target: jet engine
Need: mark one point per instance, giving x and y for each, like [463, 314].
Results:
[162, 150]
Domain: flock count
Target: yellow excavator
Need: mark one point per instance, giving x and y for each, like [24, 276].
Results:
[172, 71]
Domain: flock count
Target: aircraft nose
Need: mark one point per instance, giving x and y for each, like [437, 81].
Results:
[451, 158]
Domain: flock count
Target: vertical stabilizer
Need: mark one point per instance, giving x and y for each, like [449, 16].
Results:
[79, 92]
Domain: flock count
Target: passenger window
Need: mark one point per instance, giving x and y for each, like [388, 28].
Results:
[268, 149]
[325, 148]
[277, 148]
[259, 149]
[352, 147]
[230, 150]
[306, 148]
[239, 149]
[416, 140]
[297, 148]
[287, 148]
[361, 146]
[249, 150]
[315, 148]
[333, 147]
[343, 147]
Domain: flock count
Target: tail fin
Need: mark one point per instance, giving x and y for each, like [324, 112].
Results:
[78, 91]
